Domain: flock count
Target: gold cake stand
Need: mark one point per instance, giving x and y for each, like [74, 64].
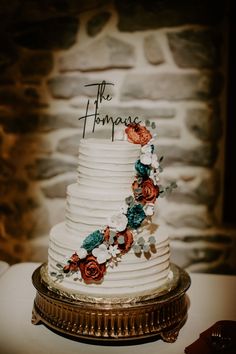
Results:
[100, 320]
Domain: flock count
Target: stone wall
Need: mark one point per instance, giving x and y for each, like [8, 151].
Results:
[167, 60]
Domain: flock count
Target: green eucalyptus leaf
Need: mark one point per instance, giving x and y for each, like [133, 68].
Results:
[138, 190]
[53, 274]
[152, 240]
[121, 240]
[173, 185]
[162, 194]
[141, 241]
[60, 276]
[60, 266]
[137, 248]
[147, 123]
[153, 125]
[111, 239]
[140, 180]
[129, 200]
[112, 233]
[146, 248]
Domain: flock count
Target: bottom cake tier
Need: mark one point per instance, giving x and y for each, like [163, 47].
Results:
[133, 275]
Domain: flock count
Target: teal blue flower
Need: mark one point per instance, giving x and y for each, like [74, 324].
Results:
[135, 215]
[143, 170]
[93, 240]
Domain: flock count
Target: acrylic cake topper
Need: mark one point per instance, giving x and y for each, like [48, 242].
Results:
[102, 95]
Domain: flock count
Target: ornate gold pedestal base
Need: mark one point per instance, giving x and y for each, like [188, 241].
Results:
[161, 316]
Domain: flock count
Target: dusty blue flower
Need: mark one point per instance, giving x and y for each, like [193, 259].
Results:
[93, 240]
[143, 170]
[135, 215]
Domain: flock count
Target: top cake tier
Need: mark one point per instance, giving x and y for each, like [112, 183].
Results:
[105, 175]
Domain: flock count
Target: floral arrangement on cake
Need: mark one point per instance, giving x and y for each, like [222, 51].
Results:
[105, 247]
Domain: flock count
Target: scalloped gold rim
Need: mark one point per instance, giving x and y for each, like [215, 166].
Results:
[78, 296]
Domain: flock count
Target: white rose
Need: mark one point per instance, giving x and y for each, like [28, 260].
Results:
[82, 253]
[124, 208]
[146, 159]
[101, 253]
[149, 209]
[154, 162]
[154, 177]
[118, 222]
[146, 149]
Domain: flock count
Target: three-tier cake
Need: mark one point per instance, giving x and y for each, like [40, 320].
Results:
[108, 251]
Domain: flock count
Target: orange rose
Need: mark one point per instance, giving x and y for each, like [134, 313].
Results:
[150, 192]
[138, 134]
[128, 240]
[91, 270]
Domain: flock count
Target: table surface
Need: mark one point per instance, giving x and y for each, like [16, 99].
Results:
[3, 267]
[212, 298]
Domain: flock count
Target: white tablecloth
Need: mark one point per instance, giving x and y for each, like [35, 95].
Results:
[3, 267]
[212, 298]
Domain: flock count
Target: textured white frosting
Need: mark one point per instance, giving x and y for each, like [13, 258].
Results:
[132, 275]
[105, 175]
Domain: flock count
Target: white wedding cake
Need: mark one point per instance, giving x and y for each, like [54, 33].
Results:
[108, 245]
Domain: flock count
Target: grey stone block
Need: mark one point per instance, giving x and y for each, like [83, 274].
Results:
[152, 50]
[206, 191]
[201, 155]
[64, 86]
[67, 86]
[195, 48]
[205, 124]
[171, 86]
[105, 53]
[69, 145]
[191, 218]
